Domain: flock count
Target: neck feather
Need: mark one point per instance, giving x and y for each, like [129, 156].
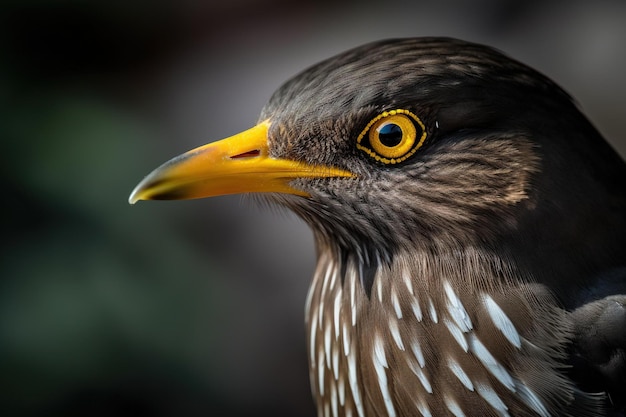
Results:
[430, 325]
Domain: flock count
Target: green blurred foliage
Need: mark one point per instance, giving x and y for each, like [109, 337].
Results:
[97, 299]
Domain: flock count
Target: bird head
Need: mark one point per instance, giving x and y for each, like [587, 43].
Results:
[399, 143]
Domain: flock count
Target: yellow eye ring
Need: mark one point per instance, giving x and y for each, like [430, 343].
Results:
[392, 136]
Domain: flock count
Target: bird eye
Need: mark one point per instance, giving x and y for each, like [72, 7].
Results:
[392, 136]
[389, 134]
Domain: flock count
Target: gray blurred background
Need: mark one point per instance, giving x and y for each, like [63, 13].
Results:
[196, 308]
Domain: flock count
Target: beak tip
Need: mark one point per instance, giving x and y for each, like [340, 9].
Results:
[132, 199]
[135, 195]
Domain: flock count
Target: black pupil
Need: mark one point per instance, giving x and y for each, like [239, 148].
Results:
[390, 134]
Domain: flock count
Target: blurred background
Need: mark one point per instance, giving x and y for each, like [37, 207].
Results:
[196, 307]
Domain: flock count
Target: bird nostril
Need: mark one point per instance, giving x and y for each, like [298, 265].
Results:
[248, 154]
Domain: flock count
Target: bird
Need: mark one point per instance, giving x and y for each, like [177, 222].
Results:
[469, 224]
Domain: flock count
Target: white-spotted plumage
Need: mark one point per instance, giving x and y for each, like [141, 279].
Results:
[395, 302]
[493, 366]
[501, 321]
[379, 287]
[395, 334]
[312, 337]
[333, 399]
[335, 360]
[420, 373]
[320, 313]
[432, 311]
[327, 344]
[320, 372]
[345, 339]
[352, 284]
[456, 309]
[416, 348]
[354, 383]
[341, 389]
[423, 409]
[453, 406]
[337, 312]
[456, 333]
[408, 280]
[379, 351]
[492, 398]
[461, 375]
[531, 399]
[428, 334]
[380, 364]
[417, 310]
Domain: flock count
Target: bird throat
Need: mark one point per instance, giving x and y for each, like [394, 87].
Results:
[404, 335]
[366, 263]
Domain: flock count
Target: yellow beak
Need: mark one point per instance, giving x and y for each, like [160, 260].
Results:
[239, 164]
